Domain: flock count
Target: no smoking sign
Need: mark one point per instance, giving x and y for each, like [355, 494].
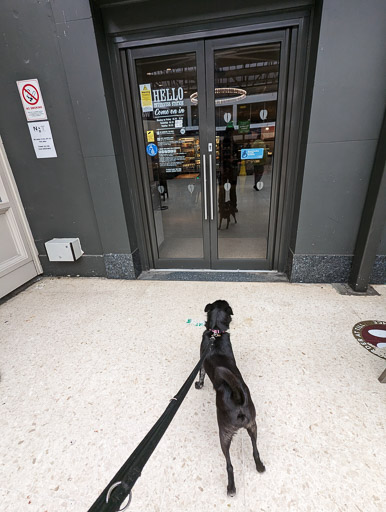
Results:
[30, 94]
[32, 100]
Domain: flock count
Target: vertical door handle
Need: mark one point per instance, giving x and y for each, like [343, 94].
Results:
[211, 186]
[205, 194]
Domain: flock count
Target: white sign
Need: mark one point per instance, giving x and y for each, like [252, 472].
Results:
[42, 139]
[32, 100]
[169, 97]
[227, 117]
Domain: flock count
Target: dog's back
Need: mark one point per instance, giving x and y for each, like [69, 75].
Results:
[233, 397]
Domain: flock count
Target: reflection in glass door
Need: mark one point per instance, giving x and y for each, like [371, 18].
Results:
[170, 132]
[246, 81]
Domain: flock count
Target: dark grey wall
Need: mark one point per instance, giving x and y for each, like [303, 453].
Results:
[347, 110]
[76, 194]
[144, 15]
[382, 246]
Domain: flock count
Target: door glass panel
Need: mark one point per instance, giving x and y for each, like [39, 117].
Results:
[170, 123]
[246, 85]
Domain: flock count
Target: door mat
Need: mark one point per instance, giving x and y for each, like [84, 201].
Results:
[371, 334]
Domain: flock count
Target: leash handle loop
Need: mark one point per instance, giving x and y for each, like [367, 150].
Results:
[109, 494]
[132, 468]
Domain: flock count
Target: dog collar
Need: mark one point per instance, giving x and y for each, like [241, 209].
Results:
[216, 332]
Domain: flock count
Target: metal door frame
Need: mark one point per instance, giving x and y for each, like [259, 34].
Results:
[297, 29]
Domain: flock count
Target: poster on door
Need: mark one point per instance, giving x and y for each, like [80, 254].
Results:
[146, 100]
[166, 105]
[171, 156]
[165, 116]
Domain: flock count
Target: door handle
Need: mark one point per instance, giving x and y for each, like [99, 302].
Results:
[211, 186]
[205, 195]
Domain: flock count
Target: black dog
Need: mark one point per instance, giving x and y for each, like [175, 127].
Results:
[226, 209]
[235, 408]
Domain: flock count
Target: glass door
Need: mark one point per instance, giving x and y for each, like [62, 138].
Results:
[170, 135]
[244, 85]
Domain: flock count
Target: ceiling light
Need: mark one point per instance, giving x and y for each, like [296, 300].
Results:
[223, 90]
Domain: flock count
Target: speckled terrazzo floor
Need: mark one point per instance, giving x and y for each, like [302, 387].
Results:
[88, 365]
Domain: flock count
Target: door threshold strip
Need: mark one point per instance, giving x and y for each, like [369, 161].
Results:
[203, 275]
[213, 270]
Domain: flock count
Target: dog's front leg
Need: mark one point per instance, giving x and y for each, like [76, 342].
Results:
[200, 381]
[225, 441]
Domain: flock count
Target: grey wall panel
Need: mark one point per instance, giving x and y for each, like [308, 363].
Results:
[334, 191]
[102, 176]
[382, 245]
[86, 266]
[80, 57]
[143, 14]
[347, 108]
[345, 113]
[350, 81]
[69, 10]
[54, 191]
[129, 199]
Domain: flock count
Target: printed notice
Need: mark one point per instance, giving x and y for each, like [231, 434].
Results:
[146, 101]
[42, 139]
[31, 98]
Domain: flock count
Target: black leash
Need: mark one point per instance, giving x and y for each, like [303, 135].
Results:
[121, 485]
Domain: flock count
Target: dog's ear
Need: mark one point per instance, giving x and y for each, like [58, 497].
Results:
[208, 307]
[229, 310]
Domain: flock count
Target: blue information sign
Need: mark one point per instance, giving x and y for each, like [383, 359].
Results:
[151, 149]
[252, 153]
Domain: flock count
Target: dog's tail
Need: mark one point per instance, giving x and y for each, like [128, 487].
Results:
[222, 375]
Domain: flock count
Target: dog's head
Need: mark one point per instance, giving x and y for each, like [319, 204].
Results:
[218, 315]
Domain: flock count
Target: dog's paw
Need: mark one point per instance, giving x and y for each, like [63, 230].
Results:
[260, 467]
[231, 491]
[198, 384]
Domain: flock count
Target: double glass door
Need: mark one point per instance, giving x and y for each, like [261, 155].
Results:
[208, 117]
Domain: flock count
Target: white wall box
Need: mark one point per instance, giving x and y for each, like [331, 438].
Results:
[63, 249]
